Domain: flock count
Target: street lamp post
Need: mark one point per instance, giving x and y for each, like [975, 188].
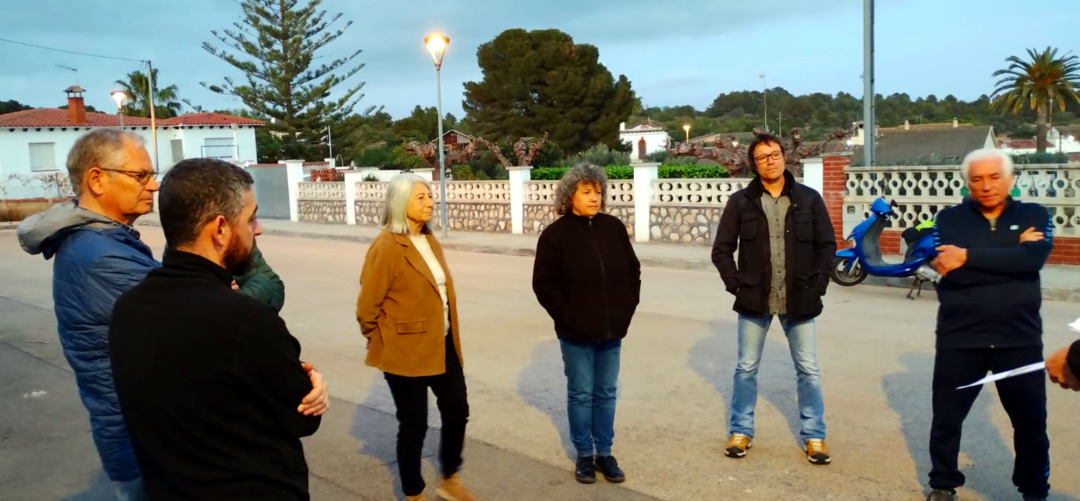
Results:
[436, 44]
[765, 99]
[687, 129]
[119, 96]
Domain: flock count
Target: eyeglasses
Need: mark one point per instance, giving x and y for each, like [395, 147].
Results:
[776, 155]
[142, 176]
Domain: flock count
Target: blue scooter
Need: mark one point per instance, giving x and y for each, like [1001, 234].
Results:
[853, 265]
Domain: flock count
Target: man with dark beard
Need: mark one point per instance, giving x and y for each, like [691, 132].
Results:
[209, 380]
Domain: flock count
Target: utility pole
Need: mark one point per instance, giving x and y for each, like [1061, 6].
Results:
[869, 120]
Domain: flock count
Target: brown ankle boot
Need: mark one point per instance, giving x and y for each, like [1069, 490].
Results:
[451, 489]
[418, 497]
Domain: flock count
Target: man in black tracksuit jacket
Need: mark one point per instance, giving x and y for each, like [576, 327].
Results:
[991, 251]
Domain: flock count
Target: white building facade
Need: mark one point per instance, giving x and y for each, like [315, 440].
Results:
[645, 139]
[34, 144]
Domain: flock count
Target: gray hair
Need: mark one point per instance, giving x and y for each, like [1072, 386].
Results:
[100, 148]
[398, 191]
[580, 173]
[984, 154]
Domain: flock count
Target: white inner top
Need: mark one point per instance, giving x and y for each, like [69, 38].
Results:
[422, 245]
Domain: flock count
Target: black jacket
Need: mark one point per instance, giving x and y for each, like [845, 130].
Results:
[994, 299]
[209, 382]
[809, 245]
[587, 277]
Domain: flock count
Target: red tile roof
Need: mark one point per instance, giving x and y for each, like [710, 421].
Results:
[56, 117]
[211, 119]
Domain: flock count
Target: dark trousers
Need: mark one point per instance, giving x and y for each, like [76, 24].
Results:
[411, 398]
[1023, 397]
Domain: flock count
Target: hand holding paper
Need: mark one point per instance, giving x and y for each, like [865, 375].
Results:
[1037, 366]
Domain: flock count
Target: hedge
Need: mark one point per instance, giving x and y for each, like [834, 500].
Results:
[627, 172]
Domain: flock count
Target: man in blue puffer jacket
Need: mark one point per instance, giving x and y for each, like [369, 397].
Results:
[98, 257]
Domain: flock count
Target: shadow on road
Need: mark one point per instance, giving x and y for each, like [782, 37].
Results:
[378, 432]
[543, 385]
[909, 394]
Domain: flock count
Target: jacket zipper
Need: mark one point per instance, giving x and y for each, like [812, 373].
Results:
[603, 280]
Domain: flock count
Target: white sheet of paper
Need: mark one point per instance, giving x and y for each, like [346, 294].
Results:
[1075, 325]
[1037, 366]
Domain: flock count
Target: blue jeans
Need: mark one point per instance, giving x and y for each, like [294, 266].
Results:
[131, 490]
[752, 331]
[592, 374]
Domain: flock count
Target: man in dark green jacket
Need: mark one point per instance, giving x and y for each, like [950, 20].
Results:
[261, 283]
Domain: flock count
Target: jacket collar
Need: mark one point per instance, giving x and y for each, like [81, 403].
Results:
[756, 188]
[416, 260]
[970, 202]
[194, 264]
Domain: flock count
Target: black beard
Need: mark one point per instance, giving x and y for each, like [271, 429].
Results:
[237, 261]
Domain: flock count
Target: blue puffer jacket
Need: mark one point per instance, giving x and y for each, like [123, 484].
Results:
[97, 260]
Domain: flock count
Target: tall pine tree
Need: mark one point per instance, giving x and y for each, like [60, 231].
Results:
[275, 46]
[541, 81]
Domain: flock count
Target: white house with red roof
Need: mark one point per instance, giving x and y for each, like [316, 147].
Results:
[35, 143]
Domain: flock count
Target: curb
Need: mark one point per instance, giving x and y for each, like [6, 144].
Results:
[1049, 293]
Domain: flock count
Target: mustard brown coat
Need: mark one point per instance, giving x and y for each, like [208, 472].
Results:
[401, 311]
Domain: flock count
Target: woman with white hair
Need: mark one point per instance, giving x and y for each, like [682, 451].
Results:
[588, 278]
[407, 310]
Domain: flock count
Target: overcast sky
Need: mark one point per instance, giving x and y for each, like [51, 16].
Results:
[672, 55]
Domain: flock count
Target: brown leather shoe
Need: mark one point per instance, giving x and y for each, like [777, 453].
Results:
[452, 489]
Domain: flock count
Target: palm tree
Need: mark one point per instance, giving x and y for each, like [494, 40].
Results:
[1044, 80]
[166, 102]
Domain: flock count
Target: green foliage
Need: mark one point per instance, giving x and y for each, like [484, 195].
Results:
[270, 148]
[12, 105]
[819, 114]
[462, 172]
[166, 100]
[600, 155]
[1037, 84]
[690, 171]
[279, 45]
[370, 178]
[422, 125]
[404, 160]
[661, 156]
[375, 157]
[1041, 158]
[666, 171]
[931, 159]
[541, 81]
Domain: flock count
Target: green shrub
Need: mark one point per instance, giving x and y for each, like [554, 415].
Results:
[599, 155]
[375, 157]
[676, 171]
[666, 171]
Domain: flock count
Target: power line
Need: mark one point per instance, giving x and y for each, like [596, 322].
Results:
[72, 52]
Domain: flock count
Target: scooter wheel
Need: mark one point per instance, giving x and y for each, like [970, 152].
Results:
[847, 278]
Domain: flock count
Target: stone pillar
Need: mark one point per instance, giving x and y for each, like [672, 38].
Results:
[644, 175]
[812, 173]
[519, 176]
[294, 175]
[834, 187]
[351, 178]
[425, 173]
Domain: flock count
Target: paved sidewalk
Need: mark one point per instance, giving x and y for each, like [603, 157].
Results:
[1061, 283]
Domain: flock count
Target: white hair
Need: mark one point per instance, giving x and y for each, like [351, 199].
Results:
[398, 192]
[984, 154]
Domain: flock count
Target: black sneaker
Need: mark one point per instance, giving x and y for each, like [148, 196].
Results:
[609, 468]
[941, 495]
[585, 471]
